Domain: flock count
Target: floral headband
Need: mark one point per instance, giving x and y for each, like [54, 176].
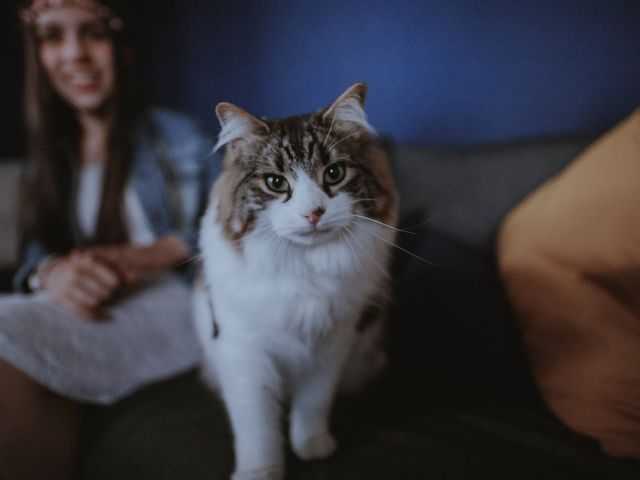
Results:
[30, 14]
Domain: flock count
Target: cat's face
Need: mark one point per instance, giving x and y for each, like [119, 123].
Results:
[304, 179]
[302, 186]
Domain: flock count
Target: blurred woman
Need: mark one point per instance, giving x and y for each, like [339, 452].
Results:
[112, 195]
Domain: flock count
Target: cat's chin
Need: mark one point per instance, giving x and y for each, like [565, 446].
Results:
[312, 237]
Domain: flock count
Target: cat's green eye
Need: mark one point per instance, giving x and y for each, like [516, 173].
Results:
[334, 173]
[277, 183]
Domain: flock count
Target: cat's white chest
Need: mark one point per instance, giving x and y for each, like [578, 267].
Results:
[271, 286]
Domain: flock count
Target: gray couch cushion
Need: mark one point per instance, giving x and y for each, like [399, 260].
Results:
[465, 193]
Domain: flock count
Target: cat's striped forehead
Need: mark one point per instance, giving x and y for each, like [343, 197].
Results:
[296, 143]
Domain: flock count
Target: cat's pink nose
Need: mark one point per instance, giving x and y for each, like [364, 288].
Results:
[314, 216]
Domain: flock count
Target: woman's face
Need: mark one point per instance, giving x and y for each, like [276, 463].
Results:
[76, 52]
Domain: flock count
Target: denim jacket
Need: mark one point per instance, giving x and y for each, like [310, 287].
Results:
[172, 172]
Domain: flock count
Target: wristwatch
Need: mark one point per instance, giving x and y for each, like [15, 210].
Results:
[35, 280]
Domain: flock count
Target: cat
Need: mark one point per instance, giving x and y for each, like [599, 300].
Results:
[295, 246]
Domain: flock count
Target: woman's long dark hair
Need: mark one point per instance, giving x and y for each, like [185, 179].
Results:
[53, 143]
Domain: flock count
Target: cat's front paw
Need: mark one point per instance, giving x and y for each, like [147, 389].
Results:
[274, 472]
[316, 447]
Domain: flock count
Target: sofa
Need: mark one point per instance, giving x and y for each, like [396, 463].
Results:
[458, 401]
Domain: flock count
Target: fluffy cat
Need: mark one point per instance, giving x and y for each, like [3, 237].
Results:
[295, 246]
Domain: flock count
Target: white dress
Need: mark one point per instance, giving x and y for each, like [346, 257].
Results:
[147, 334]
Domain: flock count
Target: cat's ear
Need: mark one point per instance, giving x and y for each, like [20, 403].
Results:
[237, 124]
[347, 114]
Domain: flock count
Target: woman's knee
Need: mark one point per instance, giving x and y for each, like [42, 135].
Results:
[18, 389]
[35, 423]
[24, 398]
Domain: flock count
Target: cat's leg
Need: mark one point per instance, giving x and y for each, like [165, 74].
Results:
[312, 401]
[309, 423]
[251, 393]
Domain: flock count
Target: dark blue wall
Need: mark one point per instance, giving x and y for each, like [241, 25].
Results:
[439, 71]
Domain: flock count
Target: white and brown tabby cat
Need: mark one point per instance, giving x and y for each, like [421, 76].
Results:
[295, 246]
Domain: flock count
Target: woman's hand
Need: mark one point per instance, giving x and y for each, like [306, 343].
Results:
[81, 281]
[134, 261]
[84, 279]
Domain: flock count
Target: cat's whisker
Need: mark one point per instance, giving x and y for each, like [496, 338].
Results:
[333, 119]
[272, 236]
[362, 247]
[348, 160]
[271, 147]
[344, 237]
[346, 210]
[197, 256]
[358, 200]
[376, 204]
[428, 220]
[366, 209]
[362, 217]
[254, 233]
[343, 139]
[281, 249]
[247, 178]
[389, 242]
[281, 244]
